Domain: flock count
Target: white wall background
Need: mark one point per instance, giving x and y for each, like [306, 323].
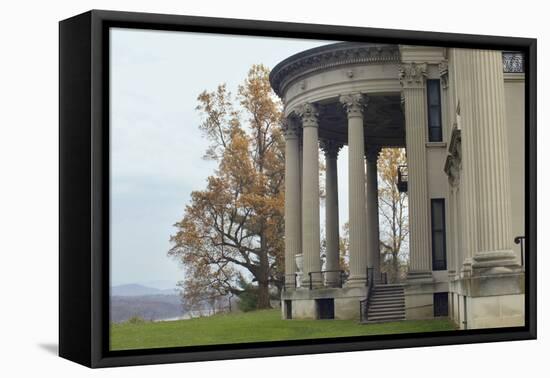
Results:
[29, 186]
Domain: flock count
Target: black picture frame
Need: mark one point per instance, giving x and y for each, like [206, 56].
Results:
[84, 187]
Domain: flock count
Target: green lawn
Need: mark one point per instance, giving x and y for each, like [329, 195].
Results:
[251, 327]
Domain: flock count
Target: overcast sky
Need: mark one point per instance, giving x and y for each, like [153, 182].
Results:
[156, 146]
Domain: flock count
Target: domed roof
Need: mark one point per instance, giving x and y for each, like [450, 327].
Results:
[327, 57]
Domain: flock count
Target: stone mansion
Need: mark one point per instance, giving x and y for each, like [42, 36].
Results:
[460, 115]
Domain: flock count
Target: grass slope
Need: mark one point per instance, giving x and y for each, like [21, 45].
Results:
[252, 327]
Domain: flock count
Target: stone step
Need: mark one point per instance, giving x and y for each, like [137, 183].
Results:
[383, 320]
[398, 311]
[386, 317]
[393, 295]
[388, 292]
[386, 300]
[382, 293]
[387, 297]
[386, 305]
[387, 287]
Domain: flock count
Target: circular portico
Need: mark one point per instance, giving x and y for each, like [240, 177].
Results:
[336, 95]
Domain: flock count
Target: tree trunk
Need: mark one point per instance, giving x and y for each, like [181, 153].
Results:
[263, 295]
[263, 277]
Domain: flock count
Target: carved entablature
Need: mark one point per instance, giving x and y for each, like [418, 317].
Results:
[330, 147]
[354, 104]
[444, 73]
[309, 114]
[326, 57]
[413, 75]
[453, 164]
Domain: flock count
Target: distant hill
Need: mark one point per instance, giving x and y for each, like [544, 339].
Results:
[132, 290]
[156, 302]
[147, 307]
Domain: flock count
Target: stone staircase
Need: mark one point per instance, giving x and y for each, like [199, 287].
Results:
[386, 304]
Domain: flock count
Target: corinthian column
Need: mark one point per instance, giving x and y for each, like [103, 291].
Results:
[373, 237]
[494, 251]
[311, 245]
[353, 103]
[331, 149]
[414, 94]
[293, 237]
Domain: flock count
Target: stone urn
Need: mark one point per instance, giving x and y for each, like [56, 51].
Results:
[299, 269]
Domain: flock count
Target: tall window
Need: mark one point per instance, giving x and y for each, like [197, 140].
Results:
[439, 253]
[434, 111]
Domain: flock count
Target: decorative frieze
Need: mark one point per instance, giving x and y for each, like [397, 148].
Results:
[329, 57]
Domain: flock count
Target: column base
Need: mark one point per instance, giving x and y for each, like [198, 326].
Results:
[495, 262]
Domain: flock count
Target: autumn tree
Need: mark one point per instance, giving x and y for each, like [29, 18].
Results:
[232, 231]
[393, 212]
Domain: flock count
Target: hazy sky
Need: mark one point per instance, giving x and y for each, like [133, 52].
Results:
[156, 146]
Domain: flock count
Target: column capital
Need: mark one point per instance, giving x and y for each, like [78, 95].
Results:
[290, 129]
[330, 148]
[354, 103]
[413, 75]
[371, 153]
[309, 114]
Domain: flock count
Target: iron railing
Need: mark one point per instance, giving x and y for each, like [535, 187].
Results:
[370, 282]
[521, 241]
[328, 278]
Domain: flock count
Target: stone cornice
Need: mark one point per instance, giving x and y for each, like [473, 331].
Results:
[413, 75]
[328, 57]
[354, 103]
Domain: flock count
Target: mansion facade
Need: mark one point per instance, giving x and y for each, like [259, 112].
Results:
[460, 115]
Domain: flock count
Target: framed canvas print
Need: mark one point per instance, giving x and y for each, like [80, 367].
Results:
[235, 188]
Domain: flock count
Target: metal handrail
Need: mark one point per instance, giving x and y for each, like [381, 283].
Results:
[370, 282]
[520, 240]
[323, 278]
